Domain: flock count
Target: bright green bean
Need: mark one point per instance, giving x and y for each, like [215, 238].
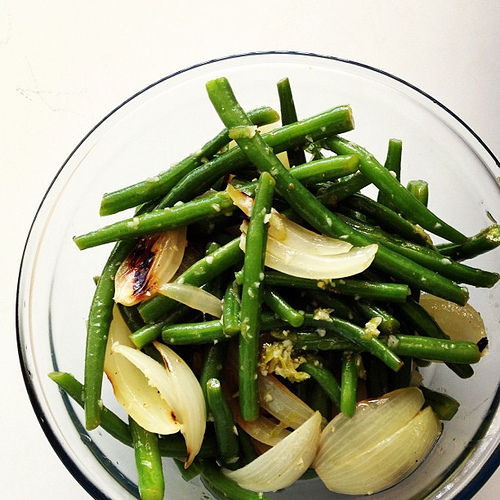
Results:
[349, 383]
[325, 379]
[151, 481]
[282, 308]
[200, 209]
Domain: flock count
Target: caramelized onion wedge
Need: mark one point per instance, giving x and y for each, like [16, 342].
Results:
[172, 383]
[281, 403]
[154, 260]
[132, 389]
[263, 429]
[458, 322]
[283, 464]
[194, 297]
[305, 264]
[379, 465]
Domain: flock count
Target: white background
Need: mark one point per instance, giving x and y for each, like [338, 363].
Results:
[66, 63]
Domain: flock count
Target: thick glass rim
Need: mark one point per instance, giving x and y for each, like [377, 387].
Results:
[481, 476]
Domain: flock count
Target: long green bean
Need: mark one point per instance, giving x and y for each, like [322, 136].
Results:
[151, 481]
[325, 379]
[251, 297]
[349, 383]
[100, 316]
[207, 207]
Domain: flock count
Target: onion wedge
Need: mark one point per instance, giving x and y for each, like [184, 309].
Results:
[153, 261]
[132, 389]
[458, 322]
[281, 403]
[290, 233]
[305, 264]
[263, 429]
[283, 464]
[194, 297]
[379, 446]
[171, 383]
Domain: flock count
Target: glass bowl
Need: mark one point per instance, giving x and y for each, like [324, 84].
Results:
[162, 124]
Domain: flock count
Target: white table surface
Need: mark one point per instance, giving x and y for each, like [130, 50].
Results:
[65, 64]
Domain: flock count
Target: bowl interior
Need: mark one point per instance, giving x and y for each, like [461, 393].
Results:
[172, 118]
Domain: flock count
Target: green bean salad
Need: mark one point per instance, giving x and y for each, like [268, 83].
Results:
[262, 320]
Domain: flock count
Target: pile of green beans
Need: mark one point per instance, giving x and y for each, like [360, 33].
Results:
[359, 335]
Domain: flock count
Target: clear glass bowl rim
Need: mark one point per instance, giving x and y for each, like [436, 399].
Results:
[492, 463]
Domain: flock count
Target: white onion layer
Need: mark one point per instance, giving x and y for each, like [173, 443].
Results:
[194, 297]
[382, 443]
[385, 463]
[283, 464]
[281, 403]
[132, 389]
[458, 322]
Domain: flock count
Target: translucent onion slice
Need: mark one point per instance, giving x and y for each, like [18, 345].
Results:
[459, 322]
[300, 238]
[263, 429]
[281, 403]
[153, 261]
[194, 297]
[292, 234]
[132, 389]
[283, 464]
[305, 264]
[373, 421]
[382, 464]
[187, 400]
[172, 383]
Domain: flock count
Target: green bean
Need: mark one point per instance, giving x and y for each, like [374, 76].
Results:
[388, 325]
[204, 332]
[324, 378]
[151, 481]
[150, 332]
[296, 156]
[388, 219]
[251, 297]
[227, 440]
[100, 316]
[247, 449]
[337, 304]
[311, 210]
[158, 186]
[431, 259]
[282, 308]
[320, 401]
[110, 422]
[393, 292]
[131, 316]
[213, 361]
[343, 188]
[392, 164]
[349, 383]
[170, 446]
[199, 273]
[419, 189]
[450, 351]
[187, 474]
[231, 307]
[200, 209]
[484, 241]
[325, 169]
[336, 120]
[444, 406]
[357, 335]
[398, 194]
